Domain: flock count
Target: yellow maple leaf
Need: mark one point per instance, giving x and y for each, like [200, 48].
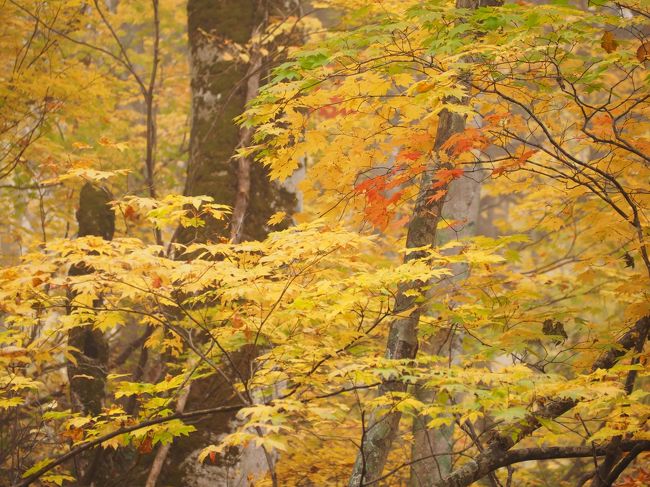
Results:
[277, 218]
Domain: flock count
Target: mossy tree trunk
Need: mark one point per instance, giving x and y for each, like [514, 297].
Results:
[221, 87]
[87, 373]
[219, 94]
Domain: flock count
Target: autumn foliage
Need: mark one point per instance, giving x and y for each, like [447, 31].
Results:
[518, 132]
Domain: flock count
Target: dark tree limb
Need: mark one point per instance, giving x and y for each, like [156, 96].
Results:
[557, 452]
[542, 453]
[127, 429]
[497, 452]
[625, 462]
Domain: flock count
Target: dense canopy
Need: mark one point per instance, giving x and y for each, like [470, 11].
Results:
[292, 243]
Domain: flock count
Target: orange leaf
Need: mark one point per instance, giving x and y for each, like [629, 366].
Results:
[445, 176]
[449, 174]
[156, 281]
[409, 155]
[437, 196]
[525, 156]
[468, 139]
[371, 184]
[603, 125]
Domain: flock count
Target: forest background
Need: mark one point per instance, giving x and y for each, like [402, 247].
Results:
[344, 242]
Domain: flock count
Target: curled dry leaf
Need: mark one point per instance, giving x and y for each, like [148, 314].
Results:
[643, 52]
[608, 42]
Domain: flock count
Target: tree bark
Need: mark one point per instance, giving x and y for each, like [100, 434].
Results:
[95, 217]
[431, 450]
[402, 339]
[87, 373]
[221, 85]
[219, 94]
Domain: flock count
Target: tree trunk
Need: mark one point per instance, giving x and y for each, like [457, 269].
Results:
[221, 86]
[87, 374]
[461, 210]
[97, 218]
[402, 339]
[219, 94]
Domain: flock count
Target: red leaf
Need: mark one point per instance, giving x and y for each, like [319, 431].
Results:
[409, 155]
[445, 176]
[468, 139]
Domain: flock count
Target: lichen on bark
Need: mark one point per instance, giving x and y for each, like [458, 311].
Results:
[219, 91]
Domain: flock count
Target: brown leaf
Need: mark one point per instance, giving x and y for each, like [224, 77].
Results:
[237, 322]
[130, 213]
[643, 52]
[147, 444]
[75, 434]
[608, 42]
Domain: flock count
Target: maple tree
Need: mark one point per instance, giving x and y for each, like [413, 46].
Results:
[460, 294]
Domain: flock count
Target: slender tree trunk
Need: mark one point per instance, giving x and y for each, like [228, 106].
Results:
[403, 340]
[163, 451]
[460, 210]
[242, 197]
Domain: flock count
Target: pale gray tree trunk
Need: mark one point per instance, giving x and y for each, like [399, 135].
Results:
[431, 450]
[381, 429]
